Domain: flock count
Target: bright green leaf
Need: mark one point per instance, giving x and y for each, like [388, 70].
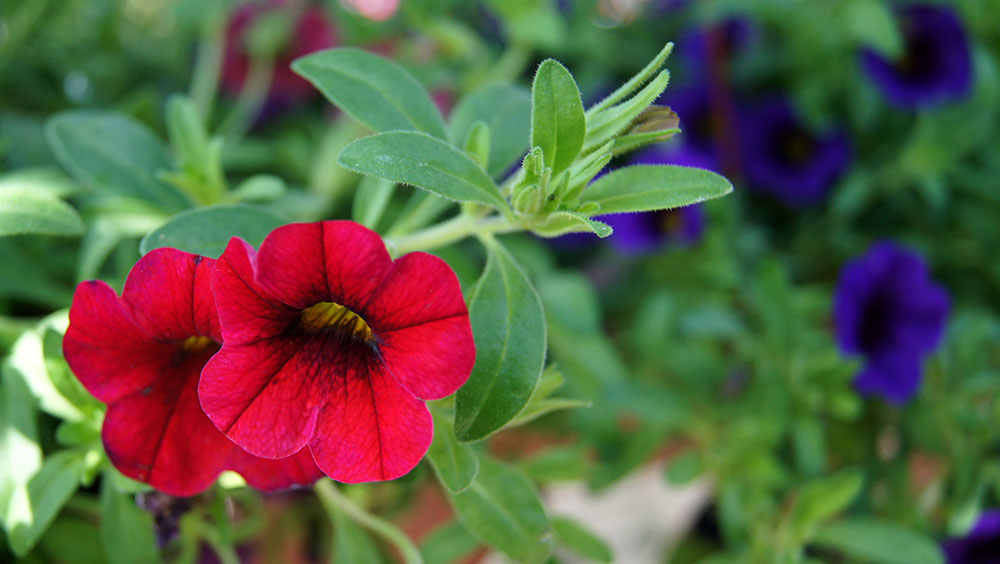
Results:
[50, 181]
[20, 453]
[684, 467]
[823, 498]
[506, 109]
[26, 211]
[879, 542]
[113, 154]
[47, 492]
[558, 123]
[509, 328]
[259, 188]
[448, 543]
[126, 530]
[351, 543]
[423, 161]
[207, 231]
[456, 464]
[654, 187]
[574, 536]
[503, 509]
[375, 91]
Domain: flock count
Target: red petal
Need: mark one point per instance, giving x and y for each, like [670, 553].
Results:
[109, 352]
[305, 263]
[159, 434]
[269, 475]
[263, 395]
[372, 429]
[246, 314]
[423, 326]
[169, 294]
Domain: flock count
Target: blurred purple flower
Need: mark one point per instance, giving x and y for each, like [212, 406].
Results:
[642, 233]
[888, 310]
[784, 159]
[981, 545]
[695, 144]
[936, 64]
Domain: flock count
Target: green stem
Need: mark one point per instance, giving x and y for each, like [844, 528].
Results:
[333, 501]
[451, 231]
[250, 101]
[208, 63]
[225, 551]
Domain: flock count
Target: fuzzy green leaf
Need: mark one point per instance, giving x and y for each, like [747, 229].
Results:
[654, 187]
[423, 161]
[207, 231]
[26, 211]
[506, 109]
[558, 122]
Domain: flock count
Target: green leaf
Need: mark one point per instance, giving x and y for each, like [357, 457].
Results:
[604, 125]
[572, 535]
[113, 154]
[558, 464]
[47, 491]
[26, 211]
[636, 82]
[506, 109]
[351, 543]
[503, 509]
[50, 181]
[207, 231]
[562, 222]
[822, 498]
[20, 453]
[126, 530]
[541, 404]
[377, 92]
[684, 467]
[879, 542]
[654, 187]
[509, 328]
[259, 188]
[447, 544]
[872, 24]
[456, 464]
[423, 161]
[370, 200]
[558, 122]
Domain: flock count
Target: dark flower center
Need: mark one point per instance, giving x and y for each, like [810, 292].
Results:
[195, 347]
[795, 146]
[333, 318]
[876, 322]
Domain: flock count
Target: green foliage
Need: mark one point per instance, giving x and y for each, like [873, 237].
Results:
[558, 124]
[642, 188]
[23, 210]
[506, 110]
[207, 231]
[574, 536]
[371, 199]
[423, 161]
[456, 463]
[502, 508]
[377, 92]
[32, 509]
[126, 530]
[879, 542]
[509, 327]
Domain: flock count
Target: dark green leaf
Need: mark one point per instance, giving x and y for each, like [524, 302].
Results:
[447, 544]
[509, 327]
[423, 161]
[506, 109]
[654, 187]
[111, 153]
[572, 535]
[558, 122]
[879, 542]
[126, 530]
[503, 509]
[207, 231]
[456, 464]
[377, 92]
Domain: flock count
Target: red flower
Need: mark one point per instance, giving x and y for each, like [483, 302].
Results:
[142, 355]
[312, 32]
[329, 343]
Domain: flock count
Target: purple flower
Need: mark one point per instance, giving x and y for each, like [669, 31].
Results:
[936, 64]
[784, 159]
[981, 545]
[888, 310]
[642, 233]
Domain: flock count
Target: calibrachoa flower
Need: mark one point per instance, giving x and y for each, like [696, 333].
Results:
[329, 343]
[311, 32]
[142, 354]
[638, 233]
[888, 310]
[784, 159]
[981, 545]
[936, 63]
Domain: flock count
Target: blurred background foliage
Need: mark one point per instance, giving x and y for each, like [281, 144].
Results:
[712, 346]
